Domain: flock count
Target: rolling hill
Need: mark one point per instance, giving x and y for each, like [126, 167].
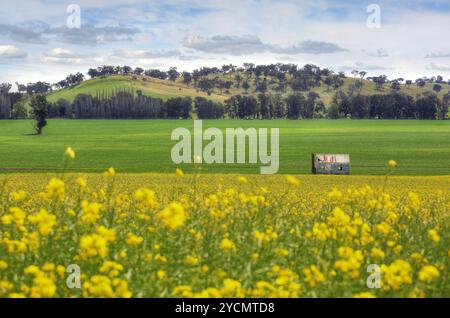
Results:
[149, 86]
[166, 89]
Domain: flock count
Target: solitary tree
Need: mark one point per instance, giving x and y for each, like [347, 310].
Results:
[39, 108]
[138, 71]
[437, 88]
[173, 74]
[187, 78]
[420, 82]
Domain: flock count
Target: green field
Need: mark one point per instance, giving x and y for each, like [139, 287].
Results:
[419, 147]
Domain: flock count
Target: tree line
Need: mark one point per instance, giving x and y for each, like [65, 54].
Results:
[128, 104]
[395, 105]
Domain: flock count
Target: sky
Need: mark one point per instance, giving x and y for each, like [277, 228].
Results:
[41, 40]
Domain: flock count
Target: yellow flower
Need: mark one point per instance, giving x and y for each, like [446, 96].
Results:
[93, 245]
[44, 220]
[112, 268]
[16, 216]
[110, 172]
[184, 291]
[32, 270]
[90, 212]
[98, 286]
[179, 172]
[428, 273]
[313, 276]
[14, 246]
[293, 181]
[55, 189]
[242, 179]
[350, 261]
[191, 260]
[61, 270]
[377, 253]
[70, 153]
[396, 274]
[392, 164]
[338, 218]
[3, 264]
[81, 182]
[108, 234]
[172, 216]
[205, 268]
[281, 252]
[414, 199]
[433, 234]
[161, 274]
[134, 239]
[42, 287]
[231, 288]
[335, 194]
[96, 244]
[121, 288]
[19, 195]
[227, 245]
[146, 196]
[48, 267]
[321, 231]
[160, 258]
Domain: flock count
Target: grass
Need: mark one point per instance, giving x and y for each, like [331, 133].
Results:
[151, 87]
[419, 147]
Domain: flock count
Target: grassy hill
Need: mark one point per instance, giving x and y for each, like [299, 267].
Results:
[166, 89]
[149, 86]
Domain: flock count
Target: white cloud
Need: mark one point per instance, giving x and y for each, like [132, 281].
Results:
[437, 55]
[141, 54]
[439, 67]
[65, 56]
[8, 52]
[251, 44]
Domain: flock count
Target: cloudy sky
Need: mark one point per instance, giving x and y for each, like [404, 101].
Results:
[39, 39]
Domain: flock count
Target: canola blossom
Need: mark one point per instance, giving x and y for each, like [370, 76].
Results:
[181, 235]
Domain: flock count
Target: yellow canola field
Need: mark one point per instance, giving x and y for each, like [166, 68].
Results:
[160, 235]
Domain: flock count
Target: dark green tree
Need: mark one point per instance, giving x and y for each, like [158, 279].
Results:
[39, 106]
